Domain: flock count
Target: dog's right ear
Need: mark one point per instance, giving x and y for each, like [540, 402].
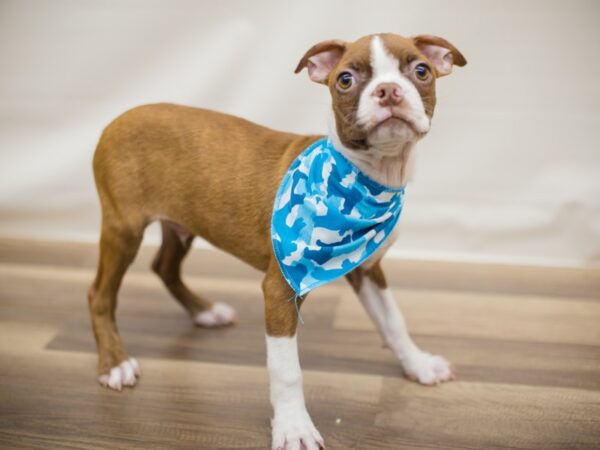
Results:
[321, 58]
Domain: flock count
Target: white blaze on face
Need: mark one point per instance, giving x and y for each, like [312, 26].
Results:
[386, 69]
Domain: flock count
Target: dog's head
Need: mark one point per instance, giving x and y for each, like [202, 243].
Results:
[382, 86]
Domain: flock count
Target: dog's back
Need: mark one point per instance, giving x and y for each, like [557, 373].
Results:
[201, 169]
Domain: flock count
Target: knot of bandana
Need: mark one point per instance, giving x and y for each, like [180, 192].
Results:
[328, 217]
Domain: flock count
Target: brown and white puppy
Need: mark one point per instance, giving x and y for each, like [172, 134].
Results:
[203, 173]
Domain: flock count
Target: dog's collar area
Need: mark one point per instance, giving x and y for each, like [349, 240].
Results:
[329, 217]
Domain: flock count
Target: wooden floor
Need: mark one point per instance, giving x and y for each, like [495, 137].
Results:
[525, 343]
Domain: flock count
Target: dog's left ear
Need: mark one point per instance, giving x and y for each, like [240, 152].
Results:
[321, 58]
[442, 54]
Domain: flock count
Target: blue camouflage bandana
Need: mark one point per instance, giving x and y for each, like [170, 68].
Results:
[328, 217]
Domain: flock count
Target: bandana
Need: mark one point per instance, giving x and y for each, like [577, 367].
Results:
[328, 217]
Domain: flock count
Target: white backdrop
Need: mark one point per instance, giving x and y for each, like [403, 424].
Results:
[509, 173]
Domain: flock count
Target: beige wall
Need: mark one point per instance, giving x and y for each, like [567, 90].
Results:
[510, 171]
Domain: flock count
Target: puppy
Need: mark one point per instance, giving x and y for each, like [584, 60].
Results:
[203, 173]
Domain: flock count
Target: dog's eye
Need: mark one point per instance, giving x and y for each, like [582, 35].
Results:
[422, 71]
[345, 80]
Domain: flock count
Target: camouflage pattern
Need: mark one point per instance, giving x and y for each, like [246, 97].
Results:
[329, 217]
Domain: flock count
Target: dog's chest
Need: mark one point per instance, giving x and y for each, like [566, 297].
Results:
[381, 251]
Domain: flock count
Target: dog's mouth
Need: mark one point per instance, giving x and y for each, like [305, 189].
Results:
[390, 131]
[385, 126]
[396, 119]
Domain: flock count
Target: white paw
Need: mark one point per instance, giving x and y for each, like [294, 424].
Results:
[125, 374]
[295, 432]
[427, 369]
[218, 316]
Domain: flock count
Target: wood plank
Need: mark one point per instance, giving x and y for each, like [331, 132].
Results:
[582, 282]
[207, 262]
[526, 353]
[485, 315]
[475, 415]
[153, 325]
[19, 337]
[177, 404]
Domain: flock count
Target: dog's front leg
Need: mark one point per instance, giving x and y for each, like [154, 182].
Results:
[292, 427]
[379, 302]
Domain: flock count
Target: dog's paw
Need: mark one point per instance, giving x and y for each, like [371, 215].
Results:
[219, 315]
[125, 374]
[427, 369]
[295, 432]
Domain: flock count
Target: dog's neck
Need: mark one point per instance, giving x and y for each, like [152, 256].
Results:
[390, 165]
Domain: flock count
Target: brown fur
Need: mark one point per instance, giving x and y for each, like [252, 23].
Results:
[167, 265]
[199, 169]
[458, 58]
[375, 273]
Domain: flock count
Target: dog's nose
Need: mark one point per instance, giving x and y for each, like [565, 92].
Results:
[389, 94]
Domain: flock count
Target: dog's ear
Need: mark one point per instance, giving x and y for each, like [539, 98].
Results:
[321, 58]
[442, 54]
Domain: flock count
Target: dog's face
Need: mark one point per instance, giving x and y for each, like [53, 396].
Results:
[382, 86]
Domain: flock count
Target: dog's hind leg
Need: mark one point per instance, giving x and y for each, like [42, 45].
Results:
[119, 244]
[176, 244]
